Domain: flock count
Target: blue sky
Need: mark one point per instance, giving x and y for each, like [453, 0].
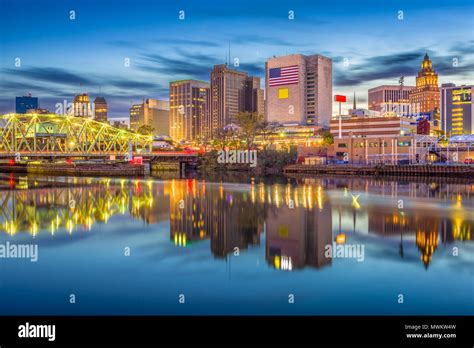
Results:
[62, 57]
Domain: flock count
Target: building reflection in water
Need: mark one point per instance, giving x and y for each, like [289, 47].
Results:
[296, 236]
[296, 217]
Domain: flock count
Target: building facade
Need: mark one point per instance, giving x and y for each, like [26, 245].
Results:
[231, 92]
[82, 106]
[299, 90]
[426, 93]
[369, 127]
[393, 149]
[389, 98]
[457, 110]
[153, 113]
[100, 109]
[23, 104]
[188, 109]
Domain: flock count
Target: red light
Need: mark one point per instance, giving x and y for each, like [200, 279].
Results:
[340, 98]
[69, 161]
[137, 160]
[11, 162]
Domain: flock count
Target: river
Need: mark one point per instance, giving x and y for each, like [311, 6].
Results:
[314, 246]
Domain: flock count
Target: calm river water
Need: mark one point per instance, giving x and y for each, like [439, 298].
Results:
[319, 246]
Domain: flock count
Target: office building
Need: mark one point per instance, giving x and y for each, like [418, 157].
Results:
[231, 92]
[299, 90]
[188, 109]
[426, 93]
[153, 113]
[100, 109]
[390, 100]
[23, 104]
[82, 106]
[369, 127]
[457, 110]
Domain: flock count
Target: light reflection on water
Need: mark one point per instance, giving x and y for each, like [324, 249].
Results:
[183, 230]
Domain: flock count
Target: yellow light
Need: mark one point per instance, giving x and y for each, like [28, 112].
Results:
[341, 238]
[276, 262]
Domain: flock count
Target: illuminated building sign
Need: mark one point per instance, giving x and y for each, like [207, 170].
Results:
[461, 96]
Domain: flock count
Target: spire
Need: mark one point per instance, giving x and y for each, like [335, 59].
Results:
[426, 56]
[355, 106]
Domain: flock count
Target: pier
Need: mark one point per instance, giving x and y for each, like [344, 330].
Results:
[416, 170]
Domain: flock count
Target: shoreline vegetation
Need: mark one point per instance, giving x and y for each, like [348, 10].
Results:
[269, 162]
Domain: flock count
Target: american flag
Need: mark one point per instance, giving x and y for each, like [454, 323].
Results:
[287, 75]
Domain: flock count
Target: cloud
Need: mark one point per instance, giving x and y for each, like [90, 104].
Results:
[48, 74]
[392, 66]
[263, 40]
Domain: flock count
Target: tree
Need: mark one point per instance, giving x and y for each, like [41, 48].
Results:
[145, 129]
[326, 136]
[248, 123]
[265, 129]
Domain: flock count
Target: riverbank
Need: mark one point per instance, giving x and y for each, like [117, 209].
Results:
[78, 169]
[415, 170]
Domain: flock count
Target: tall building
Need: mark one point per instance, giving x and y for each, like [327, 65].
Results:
[23, 104]
[153, 113]
[457, 109]
[299, 90]
[188, 109]
[100, 109]
[426, 93]
[231, 92]
[389, 99]
[82, 106]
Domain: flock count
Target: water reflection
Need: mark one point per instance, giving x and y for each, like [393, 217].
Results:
[296, 219]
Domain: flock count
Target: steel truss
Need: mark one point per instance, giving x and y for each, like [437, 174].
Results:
[61, 134]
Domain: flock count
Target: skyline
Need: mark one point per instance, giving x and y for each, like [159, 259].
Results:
[61, 57]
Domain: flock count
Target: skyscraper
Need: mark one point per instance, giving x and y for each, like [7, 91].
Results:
[426, 93]
[82, 106]
[153, 113]
[188, 109]
[232, 92]
[23, 104]
[457, 109]
[100, 109]
[299, 90]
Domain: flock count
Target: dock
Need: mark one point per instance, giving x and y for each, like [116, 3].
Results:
[409, 170]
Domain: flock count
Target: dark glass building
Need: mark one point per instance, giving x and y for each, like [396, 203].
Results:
[23, 104]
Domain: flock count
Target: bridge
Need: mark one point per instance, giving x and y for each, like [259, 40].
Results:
[36, 136]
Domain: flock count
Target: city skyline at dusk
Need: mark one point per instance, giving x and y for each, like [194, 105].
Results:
[370, 44]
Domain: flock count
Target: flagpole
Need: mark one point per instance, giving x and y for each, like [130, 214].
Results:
[340, 121]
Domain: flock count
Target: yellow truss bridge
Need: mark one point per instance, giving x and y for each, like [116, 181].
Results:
[51, 134]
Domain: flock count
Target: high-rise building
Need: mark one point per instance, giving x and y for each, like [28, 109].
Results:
[153, 113]
[457, 109]
[390, 100]
[100, 109]
[82, 106]
[231, 92]
[426, 93]
[299, 90]
[23, 104]
[188, 109]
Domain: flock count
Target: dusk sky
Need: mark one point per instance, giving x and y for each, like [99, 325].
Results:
[62, 57]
